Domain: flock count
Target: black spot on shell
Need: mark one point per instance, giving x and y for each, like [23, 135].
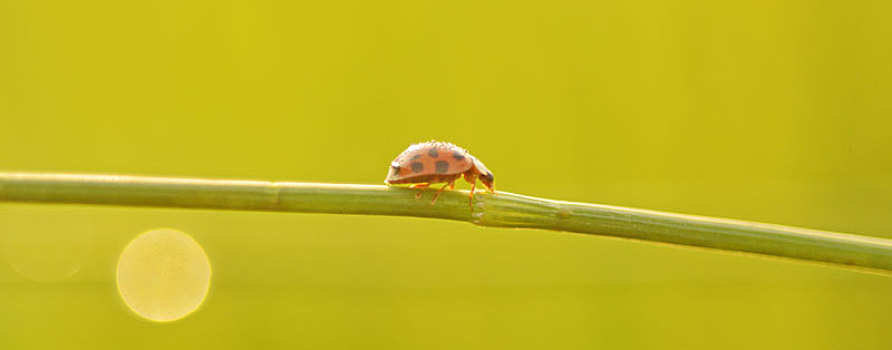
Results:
[442, 167]
[415, 157]
[417, 167]
[458, 155]
[433, 153]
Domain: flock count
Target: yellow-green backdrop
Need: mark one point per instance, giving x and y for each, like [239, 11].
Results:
[775, 111]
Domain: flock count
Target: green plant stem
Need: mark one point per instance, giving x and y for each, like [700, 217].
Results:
[500, 210]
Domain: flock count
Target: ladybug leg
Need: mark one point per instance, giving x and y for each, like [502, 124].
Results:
[423, 188]
[451, 185]
[471, 196]
[472, 179]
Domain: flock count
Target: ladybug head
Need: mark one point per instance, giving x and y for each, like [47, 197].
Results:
[488, 180]
[485, 175]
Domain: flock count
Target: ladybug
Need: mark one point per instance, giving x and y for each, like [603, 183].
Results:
[431, 162]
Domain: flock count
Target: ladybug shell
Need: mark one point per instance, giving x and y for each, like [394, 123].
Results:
[429, 162]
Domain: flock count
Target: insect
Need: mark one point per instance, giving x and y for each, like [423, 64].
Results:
[431, 162]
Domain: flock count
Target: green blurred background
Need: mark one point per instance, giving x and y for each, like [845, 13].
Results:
[774, 111]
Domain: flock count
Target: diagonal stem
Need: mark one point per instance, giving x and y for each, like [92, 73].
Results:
[500, 210]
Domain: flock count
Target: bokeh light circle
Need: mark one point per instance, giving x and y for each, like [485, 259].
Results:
[163, 275]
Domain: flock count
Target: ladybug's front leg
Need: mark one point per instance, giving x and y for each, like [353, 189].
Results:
[472, 179]
[471, 196]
